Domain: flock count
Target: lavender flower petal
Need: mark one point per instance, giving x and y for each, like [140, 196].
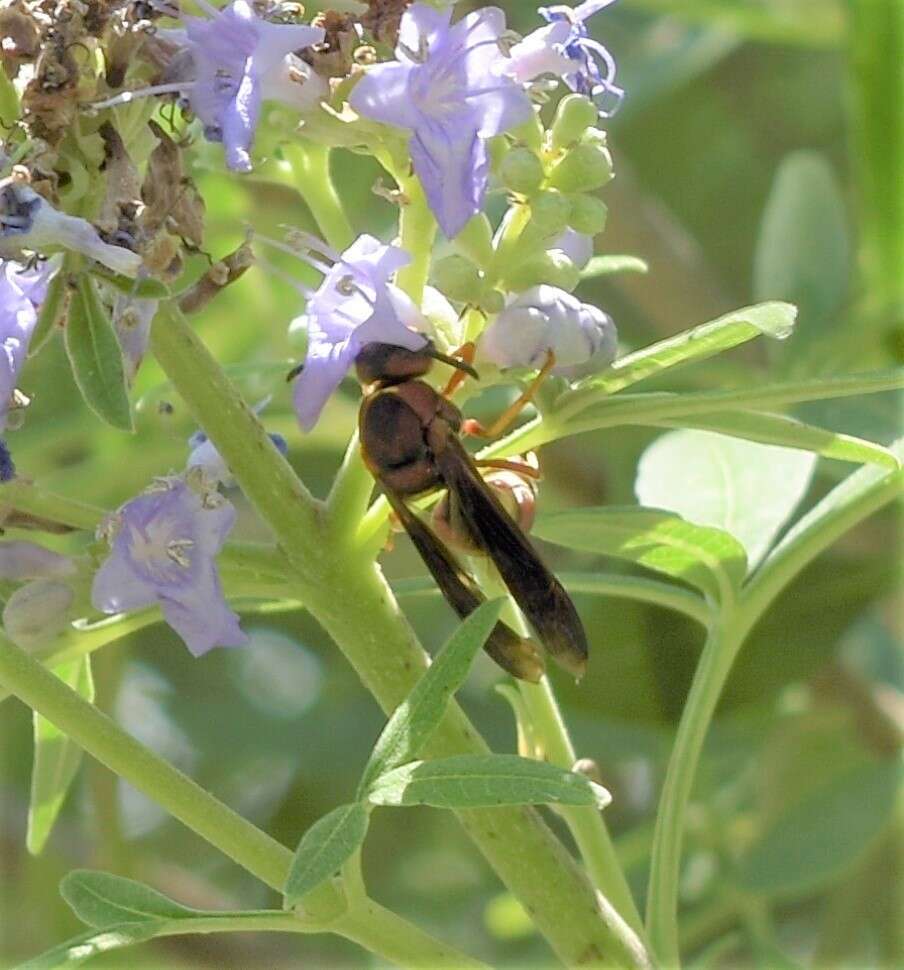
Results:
[163, 552]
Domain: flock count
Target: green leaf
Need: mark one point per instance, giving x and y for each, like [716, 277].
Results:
[415, 719]
[747, 489]
[56, 760]
[735, 328]
[485, 781]
[710, 559]
[90, 944]
[607, 265]
[52, 311]
[778, 429]
[326, 845]
[817, 838]
[827, 519]
[96, 358]
[145, 289]
[101, 899]
[802, 253]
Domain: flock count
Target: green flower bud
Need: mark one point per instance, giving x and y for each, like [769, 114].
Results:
[549, 213]
[492, 301]
[584, 168]
[521, 171]
[475, 241]
[530, 133]
[596, 137]
[457, 277]
[552, 267]
[574, 116]
[588, 214]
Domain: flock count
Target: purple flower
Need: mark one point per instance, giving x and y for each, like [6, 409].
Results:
[577, 246]
[565, 49]
[22, 291]
[448, 88]
[355, 305]
[227, 64]
[163, 552]
[240, 60]
[205, 458]
[545, 318]
[20, 560]
[28, 221]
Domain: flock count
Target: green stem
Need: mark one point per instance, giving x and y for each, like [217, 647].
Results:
[353, 603]
[311, 167]
[381, 931]
[862, 494]
[369, 924]
[599, 584]
[417, 230]
[716, 660]
[24, 496]
[351, 491]
[547, 727]
[102, 738]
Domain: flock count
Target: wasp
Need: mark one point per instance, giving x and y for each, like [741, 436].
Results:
[410, 437]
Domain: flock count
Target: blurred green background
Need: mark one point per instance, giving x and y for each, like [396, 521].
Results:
[757, 155]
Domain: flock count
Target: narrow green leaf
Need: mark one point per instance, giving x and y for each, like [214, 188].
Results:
[52, 312]
[816, 839]
[779, 429]
[802, 253]
[710, 559]
[749, 490]
[735, 328]
[101, 899]
[9, 101]
[96, 358]
[92, 943]
[415, 719]
[56, 760]
[607, 265]
[820, 525]
[326, 845]
[485, 781]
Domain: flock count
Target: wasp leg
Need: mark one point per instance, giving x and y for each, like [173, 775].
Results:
[519, 467]
[465, 352]
[477, 430]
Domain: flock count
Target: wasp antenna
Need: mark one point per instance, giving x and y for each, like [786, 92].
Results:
[455, 362]
[296, 370]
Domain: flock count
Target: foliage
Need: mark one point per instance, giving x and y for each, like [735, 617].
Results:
[730, 787]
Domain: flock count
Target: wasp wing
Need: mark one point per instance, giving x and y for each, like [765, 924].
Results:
[512, 652]
[539, 594]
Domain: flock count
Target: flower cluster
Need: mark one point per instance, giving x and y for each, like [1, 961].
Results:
[454, 107]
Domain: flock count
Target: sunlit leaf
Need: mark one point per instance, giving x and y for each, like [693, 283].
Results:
[699, 343]
[779, 429]
[96, 358]
[94, 942]
[710, 559]
[415, 719]
[323, 849]
[485, 781]
[747, 489]
[51, 312]
[56, 760]
[607, 265]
